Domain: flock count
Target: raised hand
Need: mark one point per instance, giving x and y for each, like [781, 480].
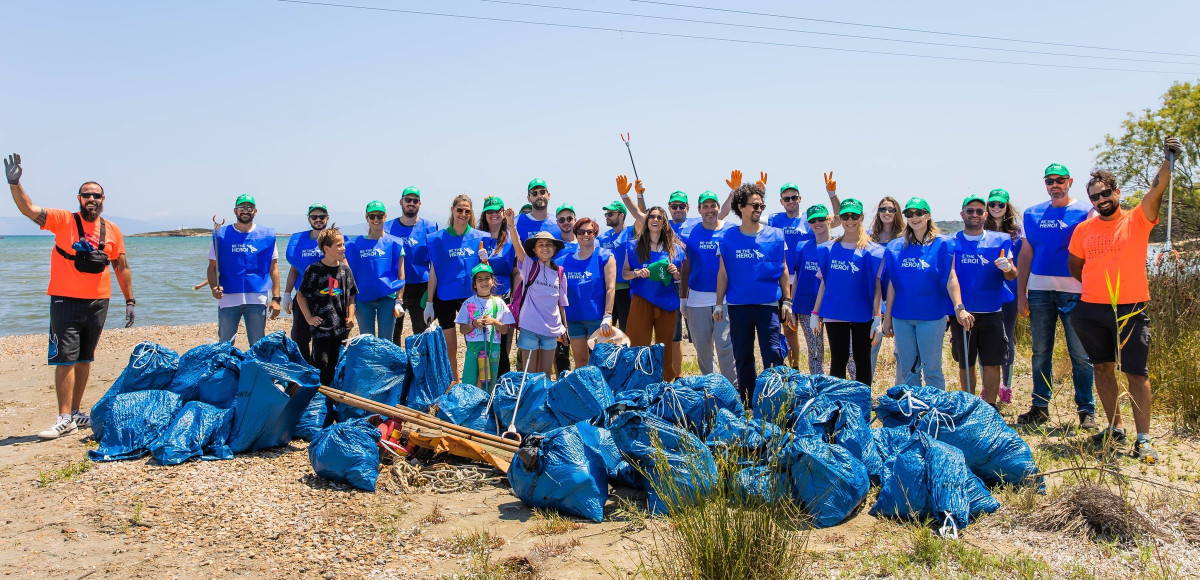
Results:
[762, 179]
[641, 189]
[1003, 262]
[509, 214]
[1172, 146]
[735, 179]
[12, 169]
[623, 185]
[830, 183]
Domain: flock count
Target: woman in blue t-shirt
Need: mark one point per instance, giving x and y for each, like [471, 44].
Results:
[922, 290]
[1004, 217]
[502, 260]
[377, 261]
[453, 252]
[808, 284]
[591, 286]
[653, 261]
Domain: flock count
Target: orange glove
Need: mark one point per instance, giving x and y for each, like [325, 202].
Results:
[830, 184]
[735, 179]
[641, 189]
[623, 185]
[762, 179]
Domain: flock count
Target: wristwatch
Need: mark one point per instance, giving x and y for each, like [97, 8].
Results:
[276, 299]
[959, 308]
[130, 302]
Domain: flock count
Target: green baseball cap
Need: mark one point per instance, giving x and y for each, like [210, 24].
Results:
[245, 198]
[481, 269]
[376, 206]
[678, 196]
[615, 206]
[658, 272]
[492, 203]
[1057, 169]
[535, 182]
[819, 211]
[707, 196]
[789, 185]
[526, 208]
[850, 205]
[564, 207]
[999, 195]
[411, 190]
[974, 197]
[917, 203]
[317, 206]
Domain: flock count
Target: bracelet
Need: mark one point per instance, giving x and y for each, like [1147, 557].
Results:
[276, 299]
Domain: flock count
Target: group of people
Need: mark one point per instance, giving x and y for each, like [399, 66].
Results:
[560, 279]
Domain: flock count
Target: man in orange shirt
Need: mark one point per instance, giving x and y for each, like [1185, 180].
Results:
[1108, 255]
[84, 246]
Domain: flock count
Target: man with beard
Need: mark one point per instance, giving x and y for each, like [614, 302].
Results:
[242, 267]
[301, 252]
[1107, 247]
[699, 296]
[84, 245]
[538, 219]
[615, 240]
[1047, 293]
[413, 231]
[678, 204]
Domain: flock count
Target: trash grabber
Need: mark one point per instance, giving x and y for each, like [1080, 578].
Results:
[511, 432]
[1170, 202]
[967, 358]
[216, 254]
[625, 139]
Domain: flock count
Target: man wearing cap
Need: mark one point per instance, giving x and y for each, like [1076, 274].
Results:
[414, 232]
[1111, 246]
[538, 219]
[242, 268]
[1047, 293]
[301, 252]
[615, 240]
[678, 204]
[699, 289]
[85, 244]
[982, 261]
[565, 215]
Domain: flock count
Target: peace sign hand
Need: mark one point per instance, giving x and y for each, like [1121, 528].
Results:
[623, 185]
[762, 179]
[830, 184]
[735, 179]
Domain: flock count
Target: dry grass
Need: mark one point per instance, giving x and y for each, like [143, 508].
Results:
[547, 549]
[550, 523]
[434, 517]
[1094, 512]
[1188, 525]
[473, 542]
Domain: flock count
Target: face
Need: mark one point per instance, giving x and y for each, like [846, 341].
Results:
[850, 221]
[887, 212]
[974, 215]
[791, 200]
[462, 212]
[819, 225]
[566, 221]
[1106, 200]
[753, 208]
[709, 210]
[539, 198]
[484, 283]
[587, 235]
[91, 201]
[679, 211]
[613, 218]
[245, 213]
[337, 251]
[654, 220]
[375, 219]
[544, 249]
[1058, 185]
[494, 218]
[318, 219]
[916, 218]
[997, 209]
[411, 204]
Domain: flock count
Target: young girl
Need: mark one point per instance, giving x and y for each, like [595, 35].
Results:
[542, 316]
[482, 320]
[326, 300]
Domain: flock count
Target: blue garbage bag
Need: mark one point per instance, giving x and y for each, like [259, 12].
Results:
[678, 469]
[775, 392]
[533, 416]
[197, 430]
[680, 405]
[209, 372]
[719, 393]
[429, 365]
[628, 367]
[279, 350]
[814, 416]
[760, 484]
[134, 421]
[826, 479]
[851, 432]
[902, 405]
[557, 470]
[466, 405]
[312, 419]
[620, 472]
[929, 479]
[151, 367]
[347, 452]
[580, 396]
[741, 439]
[372, 368]
[269, 403]
[838, 389]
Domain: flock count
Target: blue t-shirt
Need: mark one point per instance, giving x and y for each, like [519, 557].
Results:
[981, 282]
[416, 254]
[1012, 284]
[687, 223]
[850, 276]
[301, 251]
[753, 265]
[796, 232]
[701, 246]
[661, 295]
[502, 264]
[452, 258]
[373, 263]
[244, 259]
[808, 263]
[586, 291]
[527, 226]
[1048, 230]
[918, 274]
[568, 248]
[616, 243]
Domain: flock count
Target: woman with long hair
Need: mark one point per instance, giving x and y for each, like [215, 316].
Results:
[808, 284]
[377, 261]
[653, 262]
[502, 259]
[453, 252]
[1004, 217]
[591, 287]
[847, 302]
[921, 288]
[885, 227]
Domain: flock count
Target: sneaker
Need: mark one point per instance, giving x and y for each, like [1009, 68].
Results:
[82, 419]
[62, 426]
[1116, 434]
[1035, 416]
[1143, 451]
[1087, 421]
[1005, 394]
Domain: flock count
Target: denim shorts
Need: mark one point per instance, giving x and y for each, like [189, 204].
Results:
[533, 341]
[582, 328]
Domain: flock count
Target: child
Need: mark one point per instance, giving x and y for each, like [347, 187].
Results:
[477, 314]
[541, 311]
[326, 301]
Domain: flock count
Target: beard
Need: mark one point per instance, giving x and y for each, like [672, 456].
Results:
[539, 204]
[410, 211]
[1107, 209]
[91, 210]
[245, 218]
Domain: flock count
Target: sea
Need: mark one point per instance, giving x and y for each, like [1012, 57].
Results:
[164, 271]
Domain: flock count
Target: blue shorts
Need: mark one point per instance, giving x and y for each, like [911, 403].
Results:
[533, 341]
[582, 328]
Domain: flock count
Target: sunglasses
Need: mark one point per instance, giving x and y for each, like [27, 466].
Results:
[887, 209]
[566, 219]
[412, 200]
[974, 211]
[677, 206]
[915, 213]
[790, 198]
[756, 206]
[318, 217]
[850, 217]
[586, 232]
[462, 210]
[609, 214]
[92, 195]
[997, 204]
[375, 216]
[491, 212]
[655, 217]
[539, 192]
[1101, 195]
[242, 208]
[1056, 180]
[817, 220]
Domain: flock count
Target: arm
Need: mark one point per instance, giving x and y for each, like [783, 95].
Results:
[518, 248]
[628, 273]
[293, 274]
[1075, 263]
[432, 288]
[734, 182]
[785, 283]
[610, 285]
[302, 304]
[1152, 201]
[722, 282]
[465, 329]
[12, 170]
[350, 313]
[831, 189]
[1024, 264]
[124, 276]
[212, 279]
[820, 295]
[273, 306]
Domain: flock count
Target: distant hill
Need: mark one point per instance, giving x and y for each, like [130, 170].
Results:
[950, 227]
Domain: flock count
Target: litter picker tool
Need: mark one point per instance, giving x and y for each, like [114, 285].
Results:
[511, 432]
[216, 254]
[967, 358]
[1170, 202]
[625, 139]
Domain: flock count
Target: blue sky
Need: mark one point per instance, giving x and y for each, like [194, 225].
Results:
[177, 107]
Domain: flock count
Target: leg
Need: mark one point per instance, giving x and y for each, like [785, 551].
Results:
[452, 349]
[506, 342]
[227, 323]
[580, 352]
[701, 325]
[302, 335]
[621, 304]
[664, 331]
[640, 321]
[675, 347]
[860, 344]
[991, 383]
[545, 361]
[365, 315]
[724, 346]
[1106, 386]
[256, 322]
[741, 332]
[64, 386]
[770, 346]
[79, 384]
[875, 346]
[815, 345]
[1043, 313]
[412, 305]
[444, 312]
[325, 359]
[1010, 331]
[1081, 369]
[906, 351]
[470, 367]
[930, 335]
[89, 336]
[793, 340]
[839, 347]
[385, 317]
[1139, 393]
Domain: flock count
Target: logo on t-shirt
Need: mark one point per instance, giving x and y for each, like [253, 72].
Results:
[371, 253]
[844, 266]
[1053, 225]
[311, 253]
[973, 259]
[749, 254]
[709, 245]
[461, 252]
[332, 289]
[241, 249]
[917, 263]
[583, 276]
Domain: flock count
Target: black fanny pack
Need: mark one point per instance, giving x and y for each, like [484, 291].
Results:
[87, 259]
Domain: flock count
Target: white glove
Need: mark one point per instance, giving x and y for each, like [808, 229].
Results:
[682, 303]
[429, 312]
[876, 329]
[286, 302]
[606, 325]
[718, 312]
[398, 309]
[814, 324]
[1003, 263]
[785, 312]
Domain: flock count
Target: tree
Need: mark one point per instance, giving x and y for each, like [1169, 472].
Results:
[1134, 155]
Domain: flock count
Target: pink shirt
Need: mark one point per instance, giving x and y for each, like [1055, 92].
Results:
[539, 313]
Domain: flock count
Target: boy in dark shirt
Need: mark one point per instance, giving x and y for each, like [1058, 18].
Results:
[326, 301]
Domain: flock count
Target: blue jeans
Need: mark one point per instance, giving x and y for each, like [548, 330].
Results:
[377, 317]
[919, 345]
[255, 316]
[746, 320]
[1045, 308]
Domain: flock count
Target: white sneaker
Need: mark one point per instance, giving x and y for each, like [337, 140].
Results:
[62, 426]
[82, 419]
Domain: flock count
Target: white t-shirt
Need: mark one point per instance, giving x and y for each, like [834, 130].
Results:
[493, 306]
[243, 298]
[701, 299]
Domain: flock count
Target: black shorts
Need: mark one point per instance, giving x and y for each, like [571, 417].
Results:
[1096, 327]
[445, 311]
[987, 342]
[75, 327]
